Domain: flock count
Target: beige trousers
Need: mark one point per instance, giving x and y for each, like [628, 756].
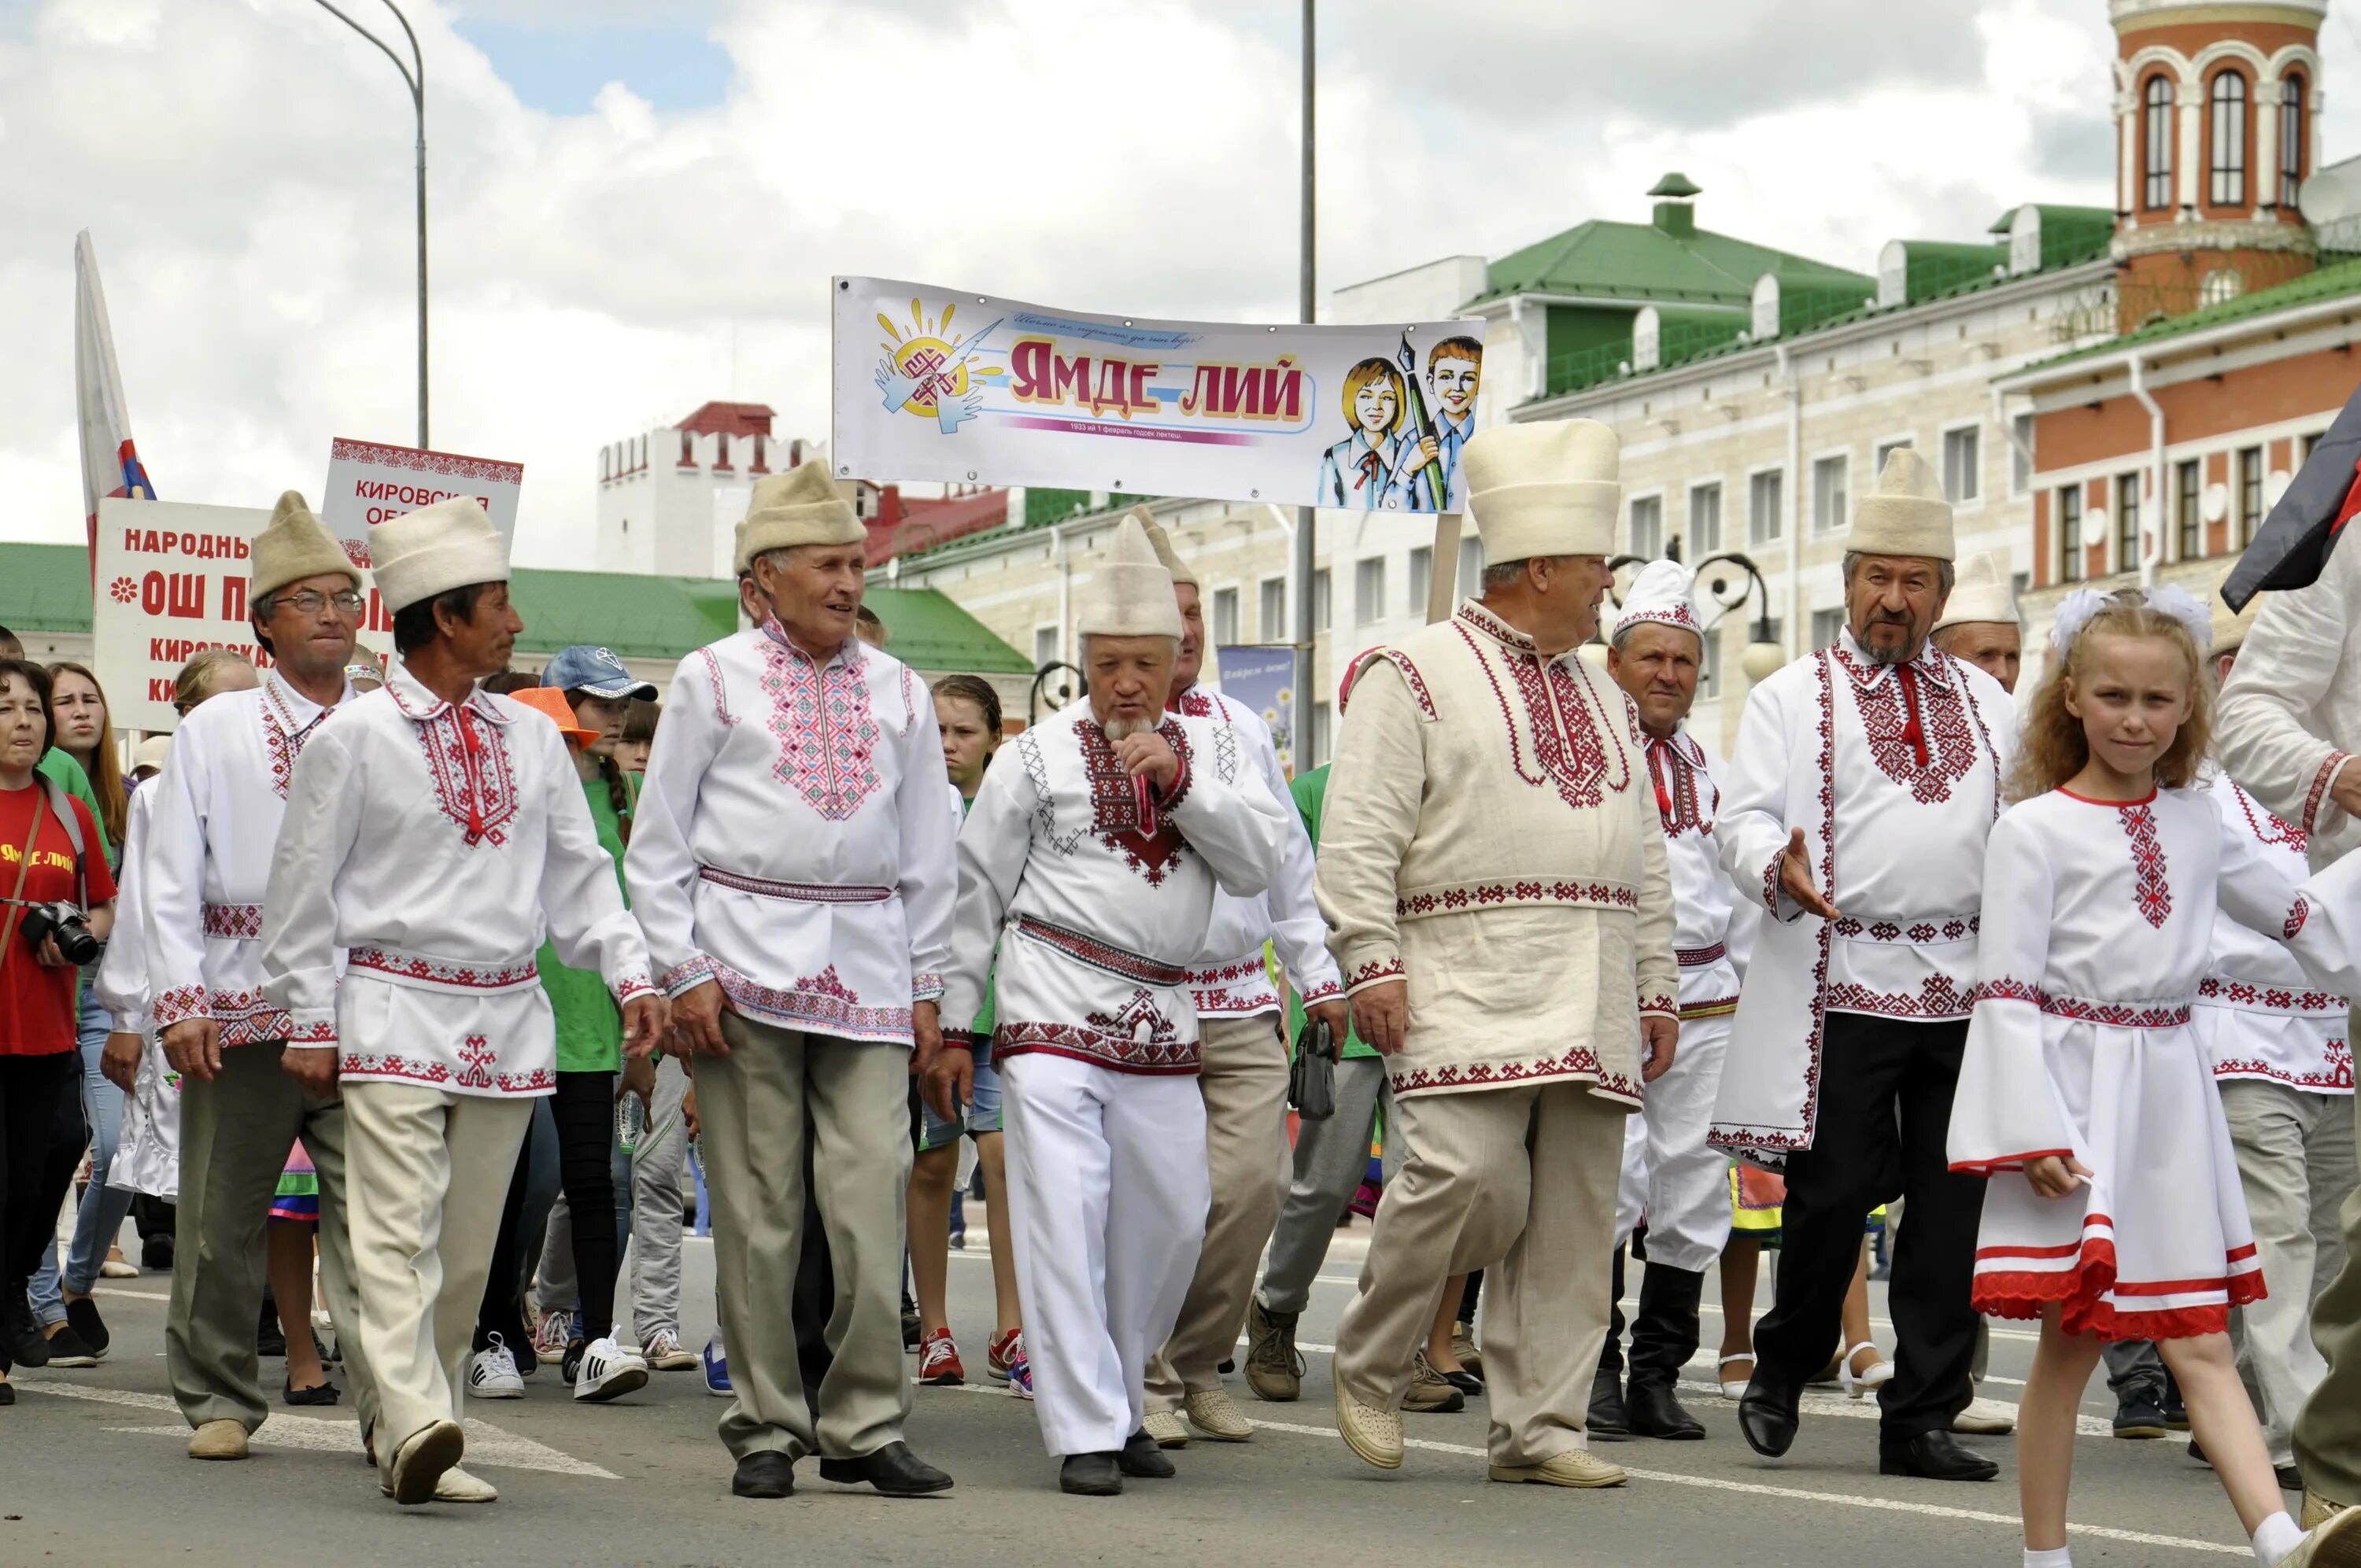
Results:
[751, 1106]
[429, 1172]
[235, 1136]
[1243, 1078]
[1520, 1183]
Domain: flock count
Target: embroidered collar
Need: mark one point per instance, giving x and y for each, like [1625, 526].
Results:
[411, 695]
[1476, 619]
[1682, 744]
[853, 650]
[1931, 664]
[295, 710]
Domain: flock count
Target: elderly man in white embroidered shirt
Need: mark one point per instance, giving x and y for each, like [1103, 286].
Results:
[1493, 872]
[792, 864]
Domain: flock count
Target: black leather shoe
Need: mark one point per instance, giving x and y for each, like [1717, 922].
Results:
[1607, 1418]
[1142, 1457]
[1467, 1382]
[1933, 1457]
[1767, 1418]
[769, 1474]
[1091, 1475]
[1653, 1411]
[894, 1470]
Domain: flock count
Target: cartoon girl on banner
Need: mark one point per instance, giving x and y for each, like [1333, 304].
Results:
[1365, 471]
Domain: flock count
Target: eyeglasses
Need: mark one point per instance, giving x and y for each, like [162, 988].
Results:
[311, 601]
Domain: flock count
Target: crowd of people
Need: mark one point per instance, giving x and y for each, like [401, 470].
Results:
[437, 974]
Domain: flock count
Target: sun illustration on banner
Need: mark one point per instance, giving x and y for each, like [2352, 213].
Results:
[928, 369]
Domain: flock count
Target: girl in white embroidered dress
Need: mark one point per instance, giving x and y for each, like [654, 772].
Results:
[2114, 1210]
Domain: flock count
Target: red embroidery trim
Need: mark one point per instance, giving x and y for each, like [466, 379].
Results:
[427, 462]
[2319, 790]
[234, 922]
[796, 891]
[442, 972]
[476, 1061]
[1578, 1061]
[1685, 809]
[2336, 1077]
[1668, 1005]
[1108, 959]
[2269, 828]
[375, 1064]
[1937, 998]
[2298, 913]
[2240, 993]
[1558, 710]
[177, 1004]
[282, 738]
[2150, 891]
[1375, 969]
[1502, 894]
[2080, 1290]
[1410, 677]
[713, 678]
[822, 1003]
[467, 759]
[689, 971]
[1918, 732]
[1697, 958]
[1138, 1037]
[1918, 933]
[2119, 1014]
[1146, 836]
[828, 736]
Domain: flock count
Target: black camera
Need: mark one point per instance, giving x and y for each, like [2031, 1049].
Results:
[69, 925]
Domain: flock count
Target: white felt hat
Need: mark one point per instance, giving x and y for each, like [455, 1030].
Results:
[434, 549]
[1664, 592]
[802, 506]
[1131, 593]
[1545, 489]
[1984, 592]
[1904, 512]
[1162, 543]
[293, 546]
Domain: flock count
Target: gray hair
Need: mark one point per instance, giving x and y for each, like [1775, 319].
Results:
[1945, 573]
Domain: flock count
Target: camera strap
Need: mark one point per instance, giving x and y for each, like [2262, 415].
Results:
[24, 864]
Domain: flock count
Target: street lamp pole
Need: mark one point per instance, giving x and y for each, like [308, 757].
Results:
[1306, 549]
[414, 76]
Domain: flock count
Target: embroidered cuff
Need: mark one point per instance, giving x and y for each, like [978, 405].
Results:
[688, 976]
[633, 986]
[1784, 909]
[1323, 991]
[1166, 800]
[1660, 1006]
[312, 1029]
[961, 1040]
[2322, 783]
[1377, 972]
[180, 1003]
[926, 988]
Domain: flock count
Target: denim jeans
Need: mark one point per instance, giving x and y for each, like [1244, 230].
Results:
[100, 1218]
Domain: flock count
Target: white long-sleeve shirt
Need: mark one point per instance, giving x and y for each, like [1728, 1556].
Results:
[1230, 978]
[219, 805]
[121, 984]
[2259, 1014]
[1104, 890]
[2291, 708]
[791, 841]
[1708, 943]
[439, 843]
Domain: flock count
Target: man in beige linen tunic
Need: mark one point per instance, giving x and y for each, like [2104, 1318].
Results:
[1492, 871]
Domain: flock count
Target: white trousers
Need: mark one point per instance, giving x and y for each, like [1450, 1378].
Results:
[1107, 1192]
[1670, 1174]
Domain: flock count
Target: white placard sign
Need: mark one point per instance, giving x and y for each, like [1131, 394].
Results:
[172, 579]
[369, 483]
[937, 384]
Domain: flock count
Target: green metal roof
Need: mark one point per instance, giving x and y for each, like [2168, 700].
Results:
[1641, 263]
[639, 618]
[930, 632]
[44, 588]
[2341, 278]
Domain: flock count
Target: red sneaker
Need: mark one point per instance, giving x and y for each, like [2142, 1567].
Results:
[939, 1362]
[1004, 1352]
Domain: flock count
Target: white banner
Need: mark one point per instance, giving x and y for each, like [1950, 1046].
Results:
[932, 384]
[369, 483]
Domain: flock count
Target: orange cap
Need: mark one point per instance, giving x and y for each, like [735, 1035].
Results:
[551, 702]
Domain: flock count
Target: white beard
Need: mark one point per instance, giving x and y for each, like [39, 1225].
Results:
[1123, 728]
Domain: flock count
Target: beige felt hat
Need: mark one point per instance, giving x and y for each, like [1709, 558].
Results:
[1904, 512]
[293, 546]
[802, 506]
[435, 549]
[1162, 544]
[1985, 592]
[1131, 593]
[1545, 489]
[2230, 627]
[151, 753]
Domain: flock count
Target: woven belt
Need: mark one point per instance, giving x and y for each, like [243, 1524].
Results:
[1697, 958]
[795, 892]
[423, 974]
[235, 922]
[1102, 956]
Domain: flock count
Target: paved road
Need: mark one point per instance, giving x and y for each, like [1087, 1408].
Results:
[92, 1470]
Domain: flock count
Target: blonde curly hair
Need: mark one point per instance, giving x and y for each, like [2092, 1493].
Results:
[2054, 747]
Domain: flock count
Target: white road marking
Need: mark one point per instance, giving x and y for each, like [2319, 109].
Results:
[487, 1444]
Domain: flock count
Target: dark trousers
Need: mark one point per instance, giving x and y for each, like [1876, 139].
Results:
[1664, 1330]
[585, 1108]
[41, 1136]
[1884, 1114]
[524, 1217]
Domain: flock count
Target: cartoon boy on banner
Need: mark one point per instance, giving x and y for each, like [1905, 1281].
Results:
[1400, 456]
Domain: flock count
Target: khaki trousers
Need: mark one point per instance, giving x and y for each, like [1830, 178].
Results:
[753, 1105]
[235, 1132]
[1520, 1183]
[430, 1171]
[1243, 1078]
[2328, 1433]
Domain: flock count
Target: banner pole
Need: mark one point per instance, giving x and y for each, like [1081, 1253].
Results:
[1442, 589]
[1307, 552]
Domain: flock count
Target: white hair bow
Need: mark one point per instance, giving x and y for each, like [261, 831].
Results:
[2079, 607]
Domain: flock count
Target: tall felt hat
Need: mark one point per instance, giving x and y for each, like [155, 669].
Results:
[1985, 592]
[293, 546]
[1545, 489]
[435, 549]
[802, 506]
[2230, 627]
[1131, 593]
[1904, 512]
[1664, 592]
[550, 702]
[1162, 543]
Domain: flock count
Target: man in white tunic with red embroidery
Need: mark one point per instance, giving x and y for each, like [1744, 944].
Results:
[1092, 857]
[1854, 813]
[434, 833]
[244, 1098]
[1242, 1067]
[791, 860]
[1492, 867]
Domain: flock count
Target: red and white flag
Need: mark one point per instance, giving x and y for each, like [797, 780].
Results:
[109, 465]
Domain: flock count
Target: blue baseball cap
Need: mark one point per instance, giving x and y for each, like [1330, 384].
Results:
[594, 670]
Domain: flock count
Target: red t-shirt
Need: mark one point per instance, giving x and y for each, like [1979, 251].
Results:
[37, 1003]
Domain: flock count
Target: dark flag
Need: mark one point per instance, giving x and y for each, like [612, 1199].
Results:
[2291, 548]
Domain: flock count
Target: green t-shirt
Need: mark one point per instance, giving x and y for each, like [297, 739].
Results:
[589, 1024]
[986, 1014]
[69, 776]
[1311, 792]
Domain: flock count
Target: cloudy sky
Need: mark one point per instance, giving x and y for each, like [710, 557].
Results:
[636, 204]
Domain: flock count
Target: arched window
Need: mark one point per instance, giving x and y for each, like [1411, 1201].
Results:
[2155, 140]
[2291, 138]
[2221, 286]
[2227, 163]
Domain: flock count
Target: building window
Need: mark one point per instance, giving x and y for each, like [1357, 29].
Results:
[1765, 496]
[687, 449]
[2226, 163]
[1316, 743]
[1648, 527]
[2156, 137]
[2187, 515]
[1322, 602]
[2291, 133]
[2020, 456]
[2250, 493]
[606, 464]
[1704, 520]
[1421, 579]
[1369, 591]
[1225, 618]
[1471, 565]
[1827, 626]
[1831, 478]
[2127, 523]
[2220, 287]
[1710, 668]
[1045, 646]
[1273, 626]
[2070, 534]
[1963, 465]
[721, 450]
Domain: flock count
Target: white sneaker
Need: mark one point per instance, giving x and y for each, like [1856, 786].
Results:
[609, 1370]
[664, 1352]
[492, 1373]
